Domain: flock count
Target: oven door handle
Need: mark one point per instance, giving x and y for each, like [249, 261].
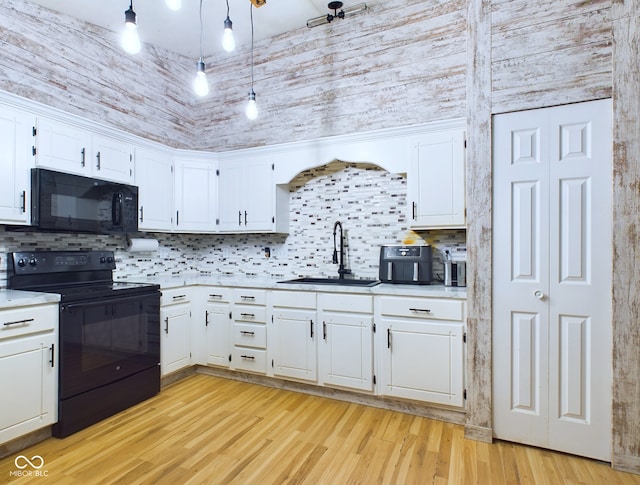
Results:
[107, 301]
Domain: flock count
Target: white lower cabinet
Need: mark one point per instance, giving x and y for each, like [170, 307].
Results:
[422, 349]
[218, 325]
[295, 333]
[28, 369]
[249, 330]
[346, 345]
[175, 325]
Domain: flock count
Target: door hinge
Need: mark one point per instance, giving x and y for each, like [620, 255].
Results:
[131, 157]
[464, 394]
[464, 337]
[33, 151]
[374, 378]
[34, 131]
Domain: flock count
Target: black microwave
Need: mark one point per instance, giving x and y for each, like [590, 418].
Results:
[66, 202]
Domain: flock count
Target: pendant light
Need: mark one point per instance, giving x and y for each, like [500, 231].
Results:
[252, 107]
[130, 38]
[228, 42]
[174, 4]
[200, 84]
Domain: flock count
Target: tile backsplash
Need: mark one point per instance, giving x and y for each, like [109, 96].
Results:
[369, 202]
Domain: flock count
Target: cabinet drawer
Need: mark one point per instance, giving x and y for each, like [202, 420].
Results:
[218, 293]
[250, 313]
[250, 296]
[346, 303]
[252, 360]
[26, 320]
[427, 308]
[173, 296]
[250, 335]
[294, 299]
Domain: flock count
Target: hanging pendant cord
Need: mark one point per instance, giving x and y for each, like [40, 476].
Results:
[200, 29]
[227, 8]
[251, 7]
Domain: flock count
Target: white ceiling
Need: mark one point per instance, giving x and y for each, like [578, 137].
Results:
[180, 31]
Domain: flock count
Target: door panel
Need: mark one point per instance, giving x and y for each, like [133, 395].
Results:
[552, 290]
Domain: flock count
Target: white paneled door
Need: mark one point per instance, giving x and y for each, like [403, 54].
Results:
[552, 278]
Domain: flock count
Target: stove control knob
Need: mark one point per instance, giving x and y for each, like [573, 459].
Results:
[33, 262]
[110, 259]
[22, 263]
[103, 260]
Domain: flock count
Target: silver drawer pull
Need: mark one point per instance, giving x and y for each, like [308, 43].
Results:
[247, 315]
[245, 332]
[244, 297]
[420, 310]
[248, 357]
[19, 322]
[179, 297]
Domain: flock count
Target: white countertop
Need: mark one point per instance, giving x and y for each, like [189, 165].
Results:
[436, 290]
[17, 298]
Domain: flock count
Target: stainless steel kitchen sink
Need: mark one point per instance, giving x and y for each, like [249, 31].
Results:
[333, 281]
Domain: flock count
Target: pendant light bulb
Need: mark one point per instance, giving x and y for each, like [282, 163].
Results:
[200, 84]
[228, 42]
[174, 4]
[252, 107]
[130, 38]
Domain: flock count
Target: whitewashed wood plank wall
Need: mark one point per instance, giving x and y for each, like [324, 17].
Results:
[403, 62]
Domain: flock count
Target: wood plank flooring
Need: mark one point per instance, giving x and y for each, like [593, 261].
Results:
[209, 430]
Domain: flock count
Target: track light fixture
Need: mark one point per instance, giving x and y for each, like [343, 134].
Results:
[228, 42]
[200, 83]
[130, 38]
[335, 6]
[252, 107]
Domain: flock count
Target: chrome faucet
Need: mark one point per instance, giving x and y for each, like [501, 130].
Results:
[341, 269]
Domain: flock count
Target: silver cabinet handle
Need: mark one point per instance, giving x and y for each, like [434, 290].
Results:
[166, 325]
[23, 201]
[98, 157]
[83, 155]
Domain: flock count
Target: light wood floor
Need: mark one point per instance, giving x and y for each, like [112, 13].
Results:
[209, 430]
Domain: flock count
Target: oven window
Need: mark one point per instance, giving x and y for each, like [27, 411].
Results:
[107, 341]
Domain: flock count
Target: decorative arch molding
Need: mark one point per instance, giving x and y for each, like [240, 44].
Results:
[389, 149]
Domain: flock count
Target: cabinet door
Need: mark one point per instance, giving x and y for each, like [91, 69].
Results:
[347, 350]
[16, 136]
[195, 196]
[28, 377]
[436, 180]
[423, 361]
[63, 147]
[230, 194]
[175, 342]
[218, 324]
[295, 353]
[113, 159]
[258, 195]
[154, 178]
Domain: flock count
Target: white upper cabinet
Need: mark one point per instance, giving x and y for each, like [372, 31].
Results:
[195, 196]
[112, 159]
[436, 180]
[71, 149]
[249, 200]
[63, 147]
[155, 181]
[16, 158]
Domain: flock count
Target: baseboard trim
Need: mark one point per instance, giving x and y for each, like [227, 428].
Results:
[24, 441]
[478, 433]
[626, 463]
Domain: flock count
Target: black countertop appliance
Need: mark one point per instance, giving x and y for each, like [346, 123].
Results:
[409, 265]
